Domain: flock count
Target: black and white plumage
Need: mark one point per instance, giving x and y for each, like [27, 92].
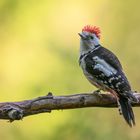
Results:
[103, 69]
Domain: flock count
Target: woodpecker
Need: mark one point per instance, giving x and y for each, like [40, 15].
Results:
[103, 69]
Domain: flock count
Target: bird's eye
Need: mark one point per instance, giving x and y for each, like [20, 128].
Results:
[91, 37]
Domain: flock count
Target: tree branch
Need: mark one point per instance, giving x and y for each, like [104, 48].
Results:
[17, 110]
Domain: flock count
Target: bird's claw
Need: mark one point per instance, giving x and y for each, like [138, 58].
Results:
[98, 93]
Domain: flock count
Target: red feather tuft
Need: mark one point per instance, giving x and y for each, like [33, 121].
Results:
[92, 29]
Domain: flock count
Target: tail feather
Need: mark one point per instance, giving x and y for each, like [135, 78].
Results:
[127, 110]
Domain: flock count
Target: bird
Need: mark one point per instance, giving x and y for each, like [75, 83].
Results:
[103, 69]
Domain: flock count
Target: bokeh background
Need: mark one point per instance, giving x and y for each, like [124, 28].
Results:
[39, 50]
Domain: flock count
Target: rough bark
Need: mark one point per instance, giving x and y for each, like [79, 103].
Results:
[17, 110]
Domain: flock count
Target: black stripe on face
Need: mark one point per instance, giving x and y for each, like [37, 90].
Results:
[97, 46]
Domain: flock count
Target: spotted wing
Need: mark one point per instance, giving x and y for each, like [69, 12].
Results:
[109, 57]
[107, 72]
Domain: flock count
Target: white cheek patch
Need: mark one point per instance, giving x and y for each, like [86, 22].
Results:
[104, 67]
[95, 40]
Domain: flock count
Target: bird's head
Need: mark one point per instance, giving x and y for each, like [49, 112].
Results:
[90, 36]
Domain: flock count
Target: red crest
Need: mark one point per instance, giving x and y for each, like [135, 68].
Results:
[92, 29]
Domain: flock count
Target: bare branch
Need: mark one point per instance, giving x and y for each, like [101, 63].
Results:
[17, 110]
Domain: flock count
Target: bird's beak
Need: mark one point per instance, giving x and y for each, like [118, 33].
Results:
[82, 35]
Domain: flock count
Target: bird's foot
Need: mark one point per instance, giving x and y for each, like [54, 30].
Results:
[98, 92]
[135, 92]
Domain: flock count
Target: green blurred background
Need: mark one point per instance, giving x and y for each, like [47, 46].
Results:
[39, 50]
